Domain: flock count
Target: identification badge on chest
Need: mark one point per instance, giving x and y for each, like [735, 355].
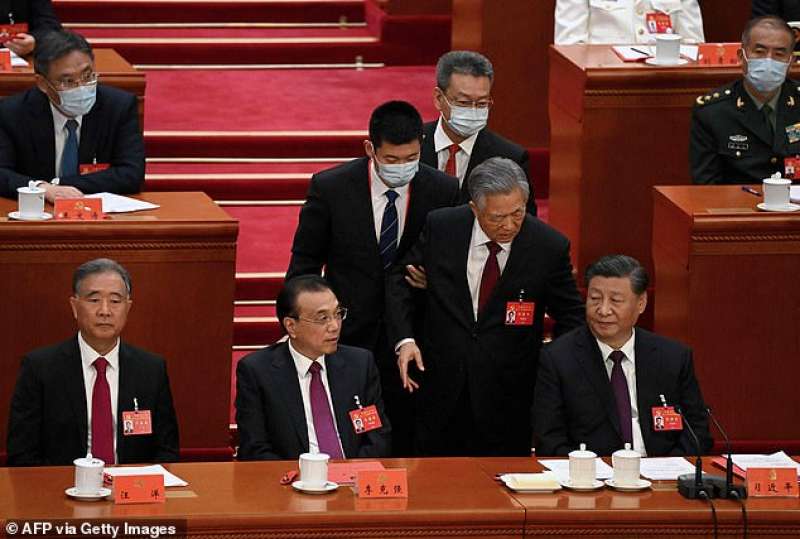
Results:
[791, 168]
[659, 23]
[137, 422]
[665, 417]
[365, 418]
[520, 312]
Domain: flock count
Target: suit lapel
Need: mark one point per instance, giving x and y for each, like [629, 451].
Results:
[592, 362]
[342, 401]
[417, 195]
[478, 156]
[428, 151]
[42, 132]
[648, 367]
[786, 106]
[76, 386]
[90, 125]
[462, 239]
[361, 206]
[125, 396]
[752, 118]
[288, 384]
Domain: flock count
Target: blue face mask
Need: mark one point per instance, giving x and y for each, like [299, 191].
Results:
[765, 74]
[397, 175]
[78, 101]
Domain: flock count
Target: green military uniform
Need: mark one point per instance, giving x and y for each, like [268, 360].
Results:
[732, 141]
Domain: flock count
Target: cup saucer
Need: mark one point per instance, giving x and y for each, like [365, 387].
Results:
[73, 492]
[329, 486]
[16, 216]
[596, 485]
[656, 62]
[641, 484]
[783, 208]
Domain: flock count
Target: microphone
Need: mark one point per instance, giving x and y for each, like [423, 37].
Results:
[694, 486]
[729, 490]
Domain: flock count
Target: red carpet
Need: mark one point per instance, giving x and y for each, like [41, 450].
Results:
[265, 237]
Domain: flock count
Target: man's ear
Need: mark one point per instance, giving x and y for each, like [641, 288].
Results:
[73, 304]
[290, 325]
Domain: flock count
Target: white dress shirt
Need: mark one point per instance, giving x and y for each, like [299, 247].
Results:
[379, 201]
[477, 256]
[442, 143]
[88, 355]
[623, 21]
[629, 368]
[61, 133]
[302, 364]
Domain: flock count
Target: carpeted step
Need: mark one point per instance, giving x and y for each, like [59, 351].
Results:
[323, 34]
[185, 11]
[255, 331]
[265, 237]
[258, 285]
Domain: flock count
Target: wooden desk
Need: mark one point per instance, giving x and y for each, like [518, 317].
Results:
[727, 286]
[448, 497]
[181, 259]
[617, 129]
[112, 69]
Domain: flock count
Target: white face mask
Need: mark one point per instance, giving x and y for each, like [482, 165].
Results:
[466, 121]
[397, 175]
[765, 74]
[78, 101]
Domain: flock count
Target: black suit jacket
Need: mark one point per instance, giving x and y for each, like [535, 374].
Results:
[269, 405]
[38, 14]
[487, 145]
[575, 403]
[109, 133]
[48, 425]
[730, 141]
[337, 231]
[788, 10]
[497, 362]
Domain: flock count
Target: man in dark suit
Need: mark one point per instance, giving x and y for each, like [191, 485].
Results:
[788, 10]
[609, 383]
[748, 130]
[307, 394]
[459, 141]
[70, 135]
[493, 271]
[77, 395]
[351, 227]
[37, 14]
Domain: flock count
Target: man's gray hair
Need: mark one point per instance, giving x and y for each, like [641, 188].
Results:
[99, 265]
[498, 175]
[463, 63]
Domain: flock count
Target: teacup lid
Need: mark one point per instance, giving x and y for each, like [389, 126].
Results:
[582, 453]
[777, 179]
[89, 461]
[31, 189]
[626, 453]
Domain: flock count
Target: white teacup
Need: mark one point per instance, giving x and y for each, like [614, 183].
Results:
[776, 192]
[88, 475]
[582, 467]
[626, 467]
[668, 48]
[314, 469]
[31, 202]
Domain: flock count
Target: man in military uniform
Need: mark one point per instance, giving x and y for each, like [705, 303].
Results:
[750, 129]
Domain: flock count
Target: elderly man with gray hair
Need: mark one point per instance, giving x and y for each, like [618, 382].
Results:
[493, 272]
[459, 140]
[77, 396]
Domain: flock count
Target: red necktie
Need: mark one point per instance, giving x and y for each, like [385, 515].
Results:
[102, 424]
[450, 166]
[327, 439]
[491, 272]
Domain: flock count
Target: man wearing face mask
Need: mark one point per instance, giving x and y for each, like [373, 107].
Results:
[70, 134]
[459, 141]
[358, 220]
[748, 130]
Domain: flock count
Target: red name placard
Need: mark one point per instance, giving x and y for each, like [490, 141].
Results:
[79, 209]
[382, 483]
[772, 482]
[139, 489]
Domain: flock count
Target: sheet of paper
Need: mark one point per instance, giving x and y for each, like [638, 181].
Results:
[560, 467]
[170, 480]
[344, 473]
[665, 468]
[17, 61]
[119, 204]
[775, 460]
[633, 53]
[794, 193]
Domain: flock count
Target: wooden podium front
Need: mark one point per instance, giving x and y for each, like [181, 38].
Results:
[617, 129]
[181, 259]
[727, 286]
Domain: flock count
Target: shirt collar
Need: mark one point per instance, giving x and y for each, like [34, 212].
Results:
[379, 188]
[627, 348]
[59, 120]
[303, 363]
[479, 237]
[441, 141]
[773, 103]
[89, 354]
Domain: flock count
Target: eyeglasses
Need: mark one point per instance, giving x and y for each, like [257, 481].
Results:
[323, 319]
[481, 104]
[85, 80]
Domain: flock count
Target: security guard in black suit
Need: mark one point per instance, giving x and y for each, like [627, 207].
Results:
[748, 130]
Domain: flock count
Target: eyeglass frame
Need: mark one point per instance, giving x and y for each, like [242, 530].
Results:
[339, 316]
[479, 105]
[59, 86]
